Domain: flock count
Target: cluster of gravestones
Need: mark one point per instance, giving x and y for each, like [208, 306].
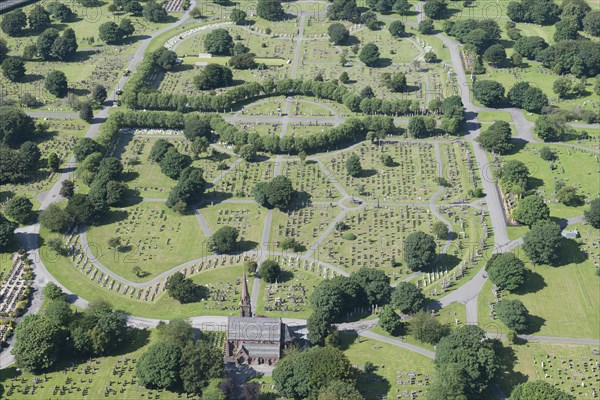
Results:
[412, 179]
[299, 220]
[410, 378]
[578, 377]
[311, 179]
[241, 180]
[173, 5]
[240, 219]
[11, 290]
[458, 155]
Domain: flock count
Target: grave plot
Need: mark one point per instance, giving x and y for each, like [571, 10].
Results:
[261, 128]
[573, 368]
[321, 51]
[574, 167]
[289, 295]
[307, 128]
[460, 170]
[412, 179]
[378, 238]
[305, 224]
[308, 178]
[240, 181]
[14, 291]
[95, 378]
[153, 237]
[214, 163]
[268, 107]
[309, 108]
[248, 218]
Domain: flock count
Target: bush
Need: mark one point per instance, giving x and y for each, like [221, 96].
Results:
[269, 270]
[488, 93]
[224, 240]
[349, 236]
[506, 271]
[369, 54]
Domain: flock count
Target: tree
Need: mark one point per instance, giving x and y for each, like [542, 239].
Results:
[159, 366]
[395, 82]
[338, 33]
[407, 298]
[530, 46]
[426, 26]
[514, 175]
[7, 231]
[53, 162]
[343, 10]
[15, 126]
[417, 127]
[3, 49]
[531, 210]
[513, 314]
[14, 22]
[56, 83]
[374, 283]
[53, 292]
[182, 289]
[60, 11]
[401, 7]
[566, 29]
[547, 154]
[238, 16]
[538, 390]
[65, 46]
[58, 312]
[353, 166]
[39, 18]
[576, 9]
[159, 149]
[55, 219]
[568, 196]
[541, 12]
[13, 68]
[81, 209]
[542, 243]
[390, 321]
[496, 138]
[427, 328]
[45, 42]
[38, 343]
[344, 78]
[173, 163]
[271, 10]
[488, 93]
[419, 250]
[31, 154]
[591, 23]
[534, 100]
[506, 271]
[303, 374]
[319, 327]
[213, 76]
[369, 54]
[86, 112]
[338, 390]
[99, 94]
[154, 12]
[85, 147]
[165, 59]
[243, 61]
[200, 362]
[397, 29]
[435, 9]
[474, 356]
[269, 270]
[551, 128]
[19, 209]
[495, 54]
[562, 86]
[277, 193]
[592, 215]
[224, 240]
[110, 33]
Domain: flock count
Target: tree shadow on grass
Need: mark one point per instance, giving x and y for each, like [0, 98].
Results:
[518, 145]
[382, 63]
[347, 338]
[285, 276]
[533, 183]
[534, 324]
[507, 377]
[301, 200]
[372, 385]
[214, 196]
[351, 41]
[534, 282]
[446, 261]
[570, 253]
[367, 173]
[245, 245]
[111, 217]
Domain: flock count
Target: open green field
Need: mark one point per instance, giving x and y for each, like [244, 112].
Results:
[154, 237]
[562, 365]
[574, 166]
[114, 374]
[563, 300]
[393, 364]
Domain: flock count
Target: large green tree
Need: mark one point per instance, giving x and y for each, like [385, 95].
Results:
[38, 343]
[13, 69]
[506, 271]
[14, 22]
[369, 54]
[538, 390]
[496, 138]
[182, 289]
[7, 231]
[408, 298]
[343, 10]
[271, 10]
[16, 126]
[159, 366]
[427, 328]
[56, 83]
[489, 93]
[532, 209]
[389, 321]
[592, 215]
[353, 166]
[276, 193]
[513, 314]
[224, 240]
[542, 243]
[200, 362]
[338, 33]
[213, 76]
[419, 250]
[19, 209]
[374, 283]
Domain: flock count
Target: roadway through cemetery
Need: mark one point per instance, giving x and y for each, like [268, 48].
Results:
[467, 293]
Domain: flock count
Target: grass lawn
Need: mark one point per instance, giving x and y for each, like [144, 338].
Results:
[247, 218]
[392, 365]
[112, 373]
[493, 116]
[154, 237]
[574, 167]
[563, 300]
[564, 365]
[515, 232]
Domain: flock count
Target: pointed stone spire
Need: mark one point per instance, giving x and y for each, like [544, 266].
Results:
[245, 305]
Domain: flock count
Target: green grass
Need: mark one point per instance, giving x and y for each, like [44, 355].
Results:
[562, 299]
[389, 361]
[247, 218]
[155, 237]
[493, 116]
[515, 232]
[101, 376]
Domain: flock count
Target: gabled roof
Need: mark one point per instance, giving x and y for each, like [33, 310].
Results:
[254, 329]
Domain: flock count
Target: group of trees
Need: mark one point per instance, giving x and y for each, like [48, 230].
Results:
[129, 6]
[20, 156]
[479, 34]
[51, 45]
[271, 10]
[112, 33]
[528, 97]
[44, 339]
[276, 193]
[496, 138]
[7, 231]
[541, 12]
[343, 10]
[179, 360]
[514, 176]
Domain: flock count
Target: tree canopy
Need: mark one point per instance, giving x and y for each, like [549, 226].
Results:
[532, 209]
[427, 328]
[538, 390]
[496, 138]
[224, 240]
[513, 314]
[542, 243]
[271, 10]
[269, 270]
[182, 289]
[489, 93]
[419, 250]
[407, 298]
[338, 33]
[218, 41]
[369, 54]
[276, 193]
